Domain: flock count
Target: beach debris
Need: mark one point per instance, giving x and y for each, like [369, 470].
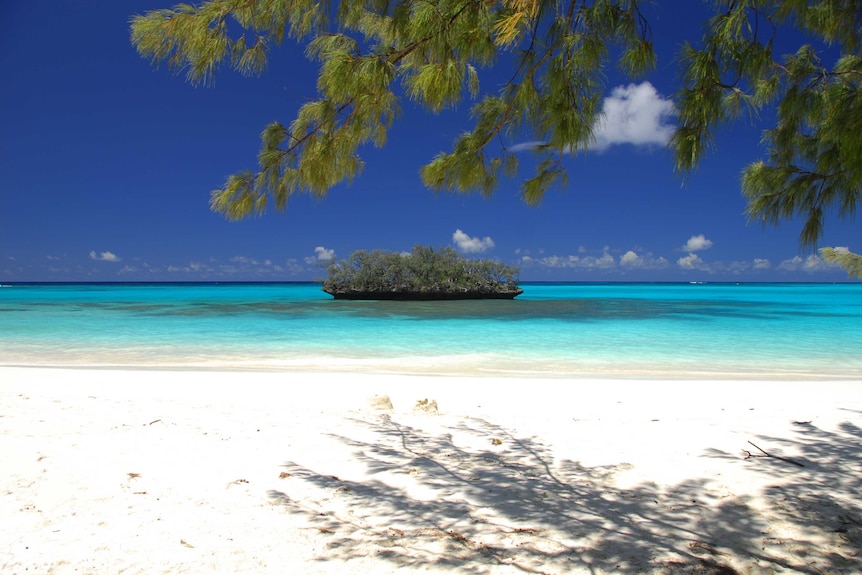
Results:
[700, 567]
[185, 543]
[456, 536]
[426, 406]
[750, 455]
[283, 475]
[699, 547]
[320, 528]
[236, 482]
[381, 403]
[133, 475]
[525, 531]
[496, 441]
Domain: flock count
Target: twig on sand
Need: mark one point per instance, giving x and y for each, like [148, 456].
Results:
[763, 453]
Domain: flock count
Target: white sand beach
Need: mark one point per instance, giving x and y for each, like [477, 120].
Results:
[151, 471]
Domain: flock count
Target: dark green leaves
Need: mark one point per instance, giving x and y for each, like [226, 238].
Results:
[431, 51]
[423, 271]
[813, 151]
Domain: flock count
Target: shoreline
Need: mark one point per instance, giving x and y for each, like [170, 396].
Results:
[431, 367]
[179, 471]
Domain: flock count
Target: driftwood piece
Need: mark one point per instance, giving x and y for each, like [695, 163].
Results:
[749, 455]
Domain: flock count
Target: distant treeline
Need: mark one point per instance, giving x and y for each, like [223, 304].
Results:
[425, 274]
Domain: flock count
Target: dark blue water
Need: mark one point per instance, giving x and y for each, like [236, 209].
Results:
[567, 330]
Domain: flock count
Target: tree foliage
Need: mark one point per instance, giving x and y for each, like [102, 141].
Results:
[424, 273]
[375, 54]
[814, 152]
[844, 258]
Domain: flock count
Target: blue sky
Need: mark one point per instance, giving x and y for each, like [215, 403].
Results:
[106, 165]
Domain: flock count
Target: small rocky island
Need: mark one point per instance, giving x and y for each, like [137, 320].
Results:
[423, 274]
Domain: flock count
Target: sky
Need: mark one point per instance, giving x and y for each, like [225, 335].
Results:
[107, 162]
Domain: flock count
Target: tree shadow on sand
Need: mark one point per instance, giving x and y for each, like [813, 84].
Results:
[476, 498]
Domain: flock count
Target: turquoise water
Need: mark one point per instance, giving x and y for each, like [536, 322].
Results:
[566, 330]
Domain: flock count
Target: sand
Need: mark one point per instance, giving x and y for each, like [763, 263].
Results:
[113, 471]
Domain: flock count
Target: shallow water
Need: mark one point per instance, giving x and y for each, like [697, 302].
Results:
[555, 330]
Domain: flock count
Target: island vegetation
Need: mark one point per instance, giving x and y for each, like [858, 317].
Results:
[422, 274]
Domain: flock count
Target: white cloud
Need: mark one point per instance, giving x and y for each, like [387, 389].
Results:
[630, 258]
[697, 243]
[104, 257]
[810, 264]
[691, 262]
[192, 267]
[791, 265]
[324, 254]
[293, 266]
[735, 267]
[762, 264]
[470, 245]
[606, 261]
[244, 260]
[634, 114]
[321, 254]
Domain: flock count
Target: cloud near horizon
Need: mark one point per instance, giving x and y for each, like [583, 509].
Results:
[810, 264]
[104, 256]
[470, 245]
[605, 261]
[321, 254]
[692, 262]
[191, 267]
[632, 259]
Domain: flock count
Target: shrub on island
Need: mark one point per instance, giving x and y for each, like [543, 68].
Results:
[423, 274]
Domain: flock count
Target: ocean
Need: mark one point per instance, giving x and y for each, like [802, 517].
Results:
[571, 330]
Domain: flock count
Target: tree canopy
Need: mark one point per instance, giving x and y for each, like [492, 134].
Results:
[375, 54]
[424, 273]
